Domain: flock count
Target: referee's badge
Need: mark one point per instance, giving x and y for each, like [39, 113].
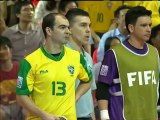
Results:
[71, 69]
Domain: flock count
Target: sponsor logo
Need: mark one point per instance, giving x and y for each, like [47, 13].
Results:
[104, 70]
[71, 69]
[19, 82]
[143, 77]
[43, 71]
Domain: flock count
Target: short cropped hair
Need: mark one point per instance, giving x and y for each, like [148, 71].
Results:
[134, 13]
[71, 14]
[5, 41]
[20, 4]
[64, 3]
[49, 21]
[117, 11]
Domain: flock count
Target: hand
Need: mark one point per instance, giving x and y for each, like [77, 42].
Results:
[49, 117]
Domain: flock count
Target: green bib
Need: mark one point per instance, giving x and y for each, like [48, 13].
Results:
[139, 82]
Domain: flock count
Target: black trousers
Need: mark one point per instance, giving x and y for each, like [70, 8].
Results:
[84, 118]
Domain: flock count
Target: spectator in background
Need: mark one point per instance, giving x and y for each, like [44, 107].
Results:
[155, 37]
[64, 6]
[120, 32]
[8, 12]
[9, 109]
[44, 8]
[111, 41]
[80, 32]
[35, 2]
[25, 36]
[3, 26]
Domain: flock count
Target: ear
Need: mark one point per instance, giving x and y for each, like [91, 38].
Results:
[18, 15]
[48, 31]
[131, 28]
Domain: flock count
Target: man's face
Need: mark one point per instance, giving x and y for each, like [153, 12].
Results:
[80, 29]
[26, 13]
[5, 53]
[60, 33]
[142, 28]
[121, 19]
[69, 6]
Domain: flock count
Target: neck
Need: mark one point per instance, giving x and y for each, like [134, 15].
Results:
[122, 31]
[136, 43]
[25, 27]
[7, 66]
[77, 46]
[52, 48]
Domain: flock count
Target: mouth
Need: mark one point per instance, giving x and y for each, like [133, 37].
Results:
[67, 37]
[148, 35]
[87, 37]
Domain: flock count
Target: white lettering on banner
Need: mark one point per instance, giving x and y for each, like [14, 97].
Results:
[148, 75]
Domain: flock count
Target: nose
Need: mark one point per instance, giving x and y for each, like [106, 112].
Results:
[88, 29]
[68, 31]
[149, 28]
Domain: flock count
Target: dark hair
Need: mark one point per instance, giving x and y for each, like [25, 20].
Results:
[71, 14]
[20, 4]
[117, 11]
[64, 3]
[154, 33]
[134, 13]
[49, 21]
[108, 41]
[51, 5]
[5, 41]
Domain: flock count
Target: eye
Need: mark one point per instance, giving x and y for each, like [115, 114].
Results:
[83, 25]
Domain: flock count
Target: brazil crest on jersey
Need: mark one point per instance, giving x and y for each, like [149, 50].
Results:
[50, 81]
[139, 82]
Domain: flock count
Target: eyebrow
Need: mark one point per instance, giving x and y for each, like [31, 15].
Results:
[63, 25]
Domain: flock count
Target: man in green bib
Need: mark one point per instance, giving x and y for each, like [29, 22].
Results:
[128, 79]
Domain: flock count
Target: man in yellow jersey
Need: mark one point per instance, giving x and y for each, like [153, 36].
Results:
[46, 82]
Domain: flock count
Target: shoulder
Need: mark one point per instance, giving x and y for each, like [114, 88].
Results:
[36, 54]
[152, 48]
[71, 51]
[108, 34]
[10, 30]
[109, 55]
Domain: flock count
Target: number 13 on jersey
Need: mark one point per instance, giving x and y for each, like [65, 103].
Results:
[58, 88]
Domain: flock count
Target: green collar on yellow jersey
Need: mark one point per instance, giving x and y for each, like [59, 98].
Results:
[51, 56]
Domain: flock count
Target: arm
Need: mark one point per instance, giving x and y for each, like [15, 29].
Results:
[85, 76]
[100, 52]
[96, 38]
[102, 96]
[25, 102]
[39, 11]
[82, 88]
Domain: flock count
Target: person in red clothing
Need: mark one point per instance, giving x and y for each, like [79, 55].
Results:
[9, 110]
[35, 2]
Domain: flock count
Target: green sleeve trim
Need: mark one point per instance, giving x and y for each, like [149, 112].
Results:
[22, 88]
[84, 64]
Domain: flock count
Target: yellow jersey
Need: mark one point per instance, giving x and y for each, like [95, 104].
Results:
[50, 81]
